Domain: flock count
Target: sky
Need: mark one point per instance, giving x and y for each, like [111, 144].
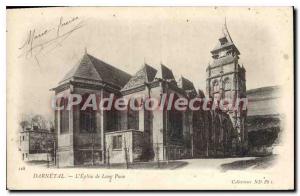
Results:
[180, 38]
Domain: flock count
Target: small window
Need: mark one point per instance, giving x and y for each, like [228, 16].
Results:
[117, 142]
[215, 86]
[23, 137]
[223, 41]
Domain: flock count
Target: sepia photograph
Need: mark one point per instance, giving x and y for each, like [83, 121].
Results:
[150, 98]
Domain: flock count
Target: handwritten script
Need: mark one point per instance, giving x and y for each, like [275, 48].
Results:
[46, 40]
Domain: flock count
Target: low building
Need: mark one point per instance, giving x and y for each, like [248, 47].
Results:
[36, 144]
[124, 146]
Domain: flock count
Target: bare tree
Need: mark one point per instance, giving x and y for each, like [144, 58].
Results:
[24, 124]
[39, 121]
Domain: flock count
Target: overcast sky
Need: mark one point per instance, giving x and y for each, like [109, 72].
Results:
[179, 38]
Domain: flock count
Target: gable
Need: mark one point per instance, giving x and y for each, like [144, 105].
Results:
[145, 75]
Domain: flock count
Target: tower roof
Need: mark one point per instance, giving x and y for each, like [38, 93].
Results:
[91, 68]
[144, 75]
[225, 41]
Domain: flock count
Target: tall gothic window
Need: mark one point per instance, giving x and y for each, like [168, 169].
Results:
[112, 120]
[87, 121]
[227, 84]
[87, 118]
[227, 88]
[64, 116]
[133, 117]
[175, 117]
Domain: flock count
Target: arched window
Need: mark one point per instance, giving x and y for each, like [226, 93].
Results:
[215, 86]
[227, 84]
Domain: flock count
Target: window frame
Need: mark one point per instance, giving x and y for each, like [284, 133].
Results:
[64, 117]
[87, 121]
[117, 142]
[216, 86]
[133, 117]
[227, 84]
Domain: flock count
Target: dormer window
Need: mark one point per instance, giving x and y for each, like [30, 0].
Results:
[223, 41]
[215, 56]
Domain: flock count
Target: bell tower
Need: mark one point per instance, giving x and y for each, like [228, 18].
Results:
[226, 80]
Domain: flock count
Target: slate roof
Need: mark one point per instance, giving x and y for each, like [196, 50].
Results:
[226, 39]
[187, 86]
[166, 73]
[92, 68]
[151, 73]
[145, 75]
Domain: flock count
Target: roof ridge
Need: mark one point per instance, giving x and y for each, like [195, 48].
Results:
[88, 56]
[92, 68]
[108, 65]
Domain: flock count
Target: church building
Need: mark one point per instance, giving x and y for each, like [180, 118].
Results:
[91, 137]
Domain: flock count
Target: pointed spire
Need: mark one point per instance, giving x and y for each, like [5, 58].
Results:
[225, 31]
[224, 27]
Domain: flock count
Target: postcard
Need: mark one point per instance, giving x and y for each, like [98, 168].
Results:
[150, 98]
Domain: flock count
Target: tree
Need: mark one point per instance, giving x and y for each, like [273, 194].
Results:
[24, 124]
[39, 121]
